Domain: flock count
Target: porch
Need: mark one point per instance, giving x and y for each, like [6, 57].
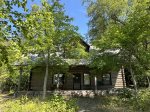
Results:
[78, 93]
[79, 78]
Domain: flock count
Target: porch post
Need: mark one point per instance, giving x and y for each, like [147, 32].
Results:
[58, 81]
[20, 76]
[148, 82]
[30, 78]
[95, 82]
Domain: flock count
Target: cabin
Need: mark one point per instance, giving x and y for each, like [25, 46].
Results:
[79, 77]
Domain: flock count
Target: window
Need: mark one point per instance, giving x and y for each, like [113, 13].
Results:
[99, 80]
[58, 78]
[106, 79]
[86, 79]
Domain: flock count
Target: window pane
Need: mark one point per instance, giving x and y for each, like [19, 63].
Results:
[99, 80]
[58, 78]
[86, 79]
[106, 79]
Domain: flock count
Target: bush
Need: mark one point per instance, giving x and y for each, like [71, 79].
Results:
[125, 93]
[53, 104]
[139, 102]
[11, 82]
[142, 102]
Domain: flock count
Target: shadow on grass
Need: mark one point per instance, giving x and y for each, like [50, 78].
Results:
[86, 104]
[98, 104]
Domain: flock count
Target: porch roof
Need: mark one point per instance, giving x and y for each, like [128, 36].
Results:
[77, 61]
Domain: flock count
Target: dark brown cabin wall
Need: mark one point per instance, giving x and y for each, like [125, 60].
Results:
[81, 70]
[37, 80]
[50, 82]
[68, 82]
[118, 79]
[92, 82]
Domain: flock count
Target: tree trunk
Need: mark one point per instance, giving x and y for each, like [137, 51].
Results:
[95, 81]
[46, 77]
[58, 81]
[148, 82]
[20, 77]
[133, 78]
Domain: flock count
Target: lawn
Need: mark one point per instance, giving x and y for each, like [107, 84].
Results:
[59, 104]
[117, 103]
[25, 104]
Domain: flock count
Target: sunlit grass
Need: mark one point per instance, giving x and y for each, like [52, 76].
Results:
[51, 104]
[123, 102]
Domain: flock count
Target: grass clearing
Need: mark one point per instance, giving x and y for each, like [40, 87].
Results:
[60, 104]
[124, 102]
[25, 104]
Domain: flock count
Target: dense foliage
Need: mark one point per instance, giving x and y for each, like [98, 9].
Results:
[119, 31]
[39, 35]
[139, 103]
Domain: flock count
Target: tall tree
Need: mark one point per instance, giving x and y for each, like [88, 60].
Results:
[38, 30]
[103, 12]
[10, 50]
[48, 33]
[9, 30]
[122, 25]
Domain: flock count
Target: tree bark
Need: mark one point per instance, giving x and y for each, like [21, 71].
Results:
[133, 78]
[95, 81]
[46, 77]
[20, 77]
[58, 81]
[148, 80]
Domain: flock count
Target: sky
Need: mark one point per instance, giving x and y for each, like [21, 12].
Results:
[74, 9]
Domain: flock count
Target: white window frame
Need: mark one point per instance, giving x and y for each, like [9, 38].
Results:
[88, 81]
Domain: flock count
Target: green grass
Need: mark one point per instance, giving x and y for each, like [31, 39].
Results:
[125, 102]
[61, 104]
[51, 104]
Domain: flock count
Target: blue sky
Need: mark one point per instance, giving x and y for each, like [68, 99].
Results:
[75, 9]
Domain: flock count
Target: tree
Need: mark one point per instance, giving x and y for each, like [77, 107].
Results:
[49, 34]
[122, 25]
[103, 12]
[38, 30]
[10, 49]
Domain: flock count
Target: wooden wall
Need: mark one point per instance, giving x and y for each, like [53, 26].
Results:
[117, 78]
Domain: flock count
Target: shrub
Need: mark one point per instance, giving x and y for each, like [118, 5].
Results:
[125, 93]
[142, 101]
[53, 104]
[139, 102]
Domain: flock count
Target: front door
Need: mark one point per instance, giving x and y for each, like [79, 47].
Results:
[77, 81]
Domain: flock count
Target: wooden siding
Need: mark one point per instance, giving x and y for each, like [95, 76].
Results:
[117, 79]
[37, 80]
[68, 82]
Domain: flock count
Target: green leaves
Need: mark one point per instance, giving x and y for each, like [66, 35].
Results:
[104, 12]
[124, 26]
[38, 28]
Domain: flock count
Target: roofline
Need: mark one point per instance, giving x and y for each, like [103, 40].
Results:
[85, 42]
